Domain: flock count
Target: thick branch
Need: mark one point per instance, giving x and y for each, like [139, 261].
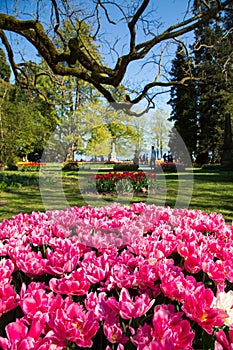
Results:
[78, 63]
[133, 23]
[9, 52]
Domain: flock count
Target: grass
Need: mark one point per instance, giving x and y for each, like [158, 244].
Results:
[212, 192]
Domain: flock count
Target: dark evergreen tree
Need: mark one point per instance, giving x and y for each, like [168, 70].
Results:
[211, 52]
[183, 103]
[228, 67]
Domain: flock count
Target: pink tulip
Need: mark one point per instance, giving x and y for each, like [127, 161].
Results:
[112, 329]
[222, 342]
[74, 284]
[20, 338]
[6, 269]
[30, 262]
[98, 305]
[59, 263]
[8, 298]
[127, 308]
[64, 257]
[143, 336]
[197, 306]
[96, 268]
[74, 324]
[170, 329]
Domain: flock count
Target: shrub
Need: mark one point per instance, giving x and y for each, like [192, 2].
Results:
[211, 166]
[17, 180]
[125, 167]
[70, 166]
[169, 167]
[12, 167]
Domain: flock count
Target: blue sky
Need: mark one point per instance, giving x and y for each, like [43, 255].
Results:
[167, 12]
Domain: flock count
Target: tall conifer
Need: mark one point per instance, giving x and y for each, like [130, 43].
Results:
[211, 54]
[183, 103]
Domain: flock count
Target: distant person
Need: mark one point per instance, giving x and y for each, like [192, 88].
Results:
[170, 158]
[144, 159]
[165, 157]
[152, 157]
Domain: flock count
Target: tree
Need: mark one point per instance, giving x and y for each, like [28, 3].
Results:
[5, 88]
[144, 37]
[211, 52]
[5, 71]
[26, 123]
[71, 99]
[160, 129]
[228, 58]
[69, 95]
[111, 126]
[183, 100]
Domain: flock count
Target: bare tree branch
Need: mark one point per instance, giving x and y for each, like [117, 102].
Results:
[133, 23]
[74, 58]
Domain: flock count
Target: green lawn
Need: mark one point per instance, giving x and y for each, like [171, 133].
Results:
[212, 192]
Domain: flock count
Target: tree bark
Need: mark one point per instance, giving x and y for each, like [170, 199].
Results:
[227, 155]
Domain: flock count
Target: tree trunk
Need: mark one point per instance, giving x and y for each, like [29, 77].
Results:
[70, 154]
[227, 155]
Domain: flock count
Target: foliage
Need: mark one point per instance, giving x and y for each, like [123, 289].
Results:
[116, 278]
[90, 129]
[5, 71]
[213, 100]
[26, 122]
[73, 54]
[211, 166]
[72, 97]
[160, 127]
[29, 166]
[171, 167]
[111, 126]
[126, 181]
[125, 167]
[11, 166]
[183, 101]
[199, 105]
[16, 180]
[70, 166]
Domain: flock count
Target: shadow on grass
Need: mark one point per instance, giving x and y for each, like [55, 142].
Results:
[14, 201]
[213, 176]
[212, 192]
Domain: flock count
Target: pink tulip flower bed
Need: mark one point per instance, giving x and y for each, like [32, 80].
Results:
[134, 277]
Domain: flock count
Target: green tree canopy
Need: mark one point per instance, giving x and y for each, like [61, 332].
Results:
[25, 125]
[5, 71]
